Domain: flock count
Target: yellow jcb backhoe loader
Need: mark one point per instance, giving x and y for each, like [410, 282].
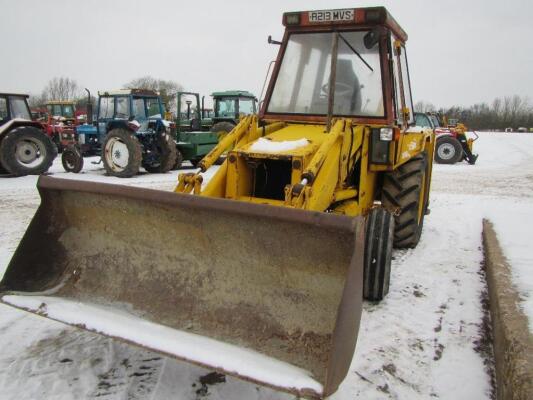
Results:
[260, 272]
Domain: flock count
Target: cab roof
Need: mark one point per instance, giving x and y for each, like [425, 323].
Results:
[15, 94]
[60, 103]
[233, 93]
[364, 16]
[127, 92]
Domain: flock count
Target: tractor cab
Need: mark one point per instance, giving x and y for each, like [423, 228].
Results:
[231, 104]
[62, 110]
[14, 106]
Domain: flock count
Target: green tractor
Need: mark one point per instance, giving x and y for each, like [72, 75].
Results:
[193, 137]
[229, 107]
[198, 130]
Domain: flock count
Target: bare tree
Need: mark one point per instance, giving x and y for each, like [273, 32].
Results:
[37, 101]
[61, 89]
[424, 106]
[166, 88]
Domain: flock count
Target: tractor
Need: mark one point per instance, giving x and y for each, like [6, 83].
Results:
[229, 107]
[261, 271]
[452, 145]
[193, 136]
[129, 132]
[25, 149]
[61, 122]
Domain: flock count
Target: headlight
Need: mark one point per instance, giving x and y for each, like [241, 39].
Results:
[386, 134]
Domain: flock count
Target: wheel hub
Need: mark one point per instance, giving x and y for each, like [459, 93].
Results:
[446, 151]
[117, 152]
[29, 152]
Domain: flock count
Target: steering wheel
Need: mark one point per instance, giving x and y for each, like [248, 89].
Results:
[341, 89]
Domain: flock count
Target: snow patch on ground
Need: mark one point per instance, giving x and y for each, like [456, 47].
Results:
[513, 230]
[185, 345]
[421, 342]
[263, 145]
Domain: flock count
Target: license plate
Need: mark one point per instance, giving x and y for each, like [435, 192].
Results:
[331, 16]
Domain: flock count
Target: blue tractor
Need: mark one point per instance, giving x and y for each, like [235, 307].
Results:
[129, 132]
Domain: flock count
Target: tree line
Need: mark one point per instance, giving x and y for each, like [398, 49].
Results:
[504, 112]
[67, 89]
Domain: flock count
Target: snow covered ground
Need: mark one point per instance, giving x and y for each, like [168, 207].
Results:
[427, 339]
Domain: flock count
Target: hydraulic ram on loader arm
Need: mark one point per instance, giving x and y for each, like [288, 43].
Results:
[222, 284]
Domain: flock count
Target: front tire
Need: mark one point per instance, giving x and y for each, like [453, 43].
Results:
[448, 150]
[404, 193]
[378, 254]
[72, 159]
[27, 150]
[121, 153]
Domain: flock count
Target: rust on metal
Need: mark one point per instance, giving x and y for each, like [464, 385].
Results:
[286, 283]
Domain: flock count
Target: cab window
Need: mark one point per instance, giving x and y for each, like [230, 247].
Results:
[246, 106]
[3, 109]
[122, 111]
[107, 107]
[139, 111]
[18, 108]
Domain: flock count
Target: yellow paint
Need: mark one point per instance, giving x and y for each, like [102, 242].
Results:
[327, 162]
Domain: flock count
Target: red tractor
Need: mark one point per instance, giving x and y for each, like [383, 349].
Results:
[451, 144]
[61, 123]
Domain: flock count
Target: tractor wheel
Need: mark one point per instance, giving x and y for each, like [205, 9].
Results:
[404, 192]
[195, 161]
[448, 150]
[179, 160]
[72, 159]
[222, 129]
[167, 150]
[378, 254]
[121, 153]
[27, 151]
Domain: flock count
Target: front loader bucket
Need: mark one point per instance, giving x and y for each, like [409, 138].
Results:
[269, 294]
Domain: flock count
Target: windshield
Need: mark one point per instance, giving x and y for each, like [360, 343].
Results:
[153, 106]
[225, 107]
[107, 107]
[68, 111]
[422, 120]
[19, 109]
[302, 84]
[139, 112]
[435, 120]
[246, 106]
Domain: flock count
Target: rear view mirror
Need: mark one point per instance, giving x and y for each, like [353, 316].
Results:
[272, 41]
[372, 37]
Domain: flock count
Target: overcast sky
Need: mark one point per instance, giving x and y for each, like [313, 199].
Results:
[460, 52]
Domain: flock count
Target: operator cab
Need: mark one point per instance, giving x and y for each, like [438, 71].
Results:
[14, 106]
[366, 50]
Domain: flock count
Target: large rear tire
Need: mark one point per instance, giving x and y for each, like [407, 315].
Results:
[121, 153]
[448, 150]
[27, 150]
[167, 155]
[378, 254]
[404, 193]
